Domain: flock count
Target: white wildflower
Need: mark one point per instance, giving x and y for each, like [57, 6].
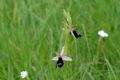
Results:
[102, 33]
[23, 74]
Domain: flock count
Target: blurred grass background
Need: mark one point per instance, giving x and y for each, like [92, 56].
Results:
[31, 33]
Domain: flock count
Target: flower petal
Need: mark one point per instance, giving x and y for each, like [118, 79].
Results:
[65, 58]
[55, 58]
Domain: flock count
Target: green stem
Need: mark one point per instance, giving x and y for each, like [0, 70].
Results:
[100, 45]
[68, 22]
[100, 49]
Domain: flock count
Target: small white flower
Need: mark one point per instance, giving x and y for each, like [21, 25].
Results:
[102, 33]
[23, 74]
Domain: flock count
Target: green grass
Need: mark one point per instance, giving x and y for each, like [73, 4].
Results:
[31, 32]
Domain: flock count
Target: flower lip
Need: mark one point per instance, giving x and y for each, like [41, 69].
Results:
[23, 74]
[102, 33]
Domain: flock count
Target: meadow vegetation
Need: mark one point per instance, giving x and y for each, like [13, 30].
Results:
[31, 32]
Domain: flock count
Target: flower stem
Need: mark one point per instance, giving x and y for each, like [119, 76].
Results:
[100, 50]
[68, 22]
